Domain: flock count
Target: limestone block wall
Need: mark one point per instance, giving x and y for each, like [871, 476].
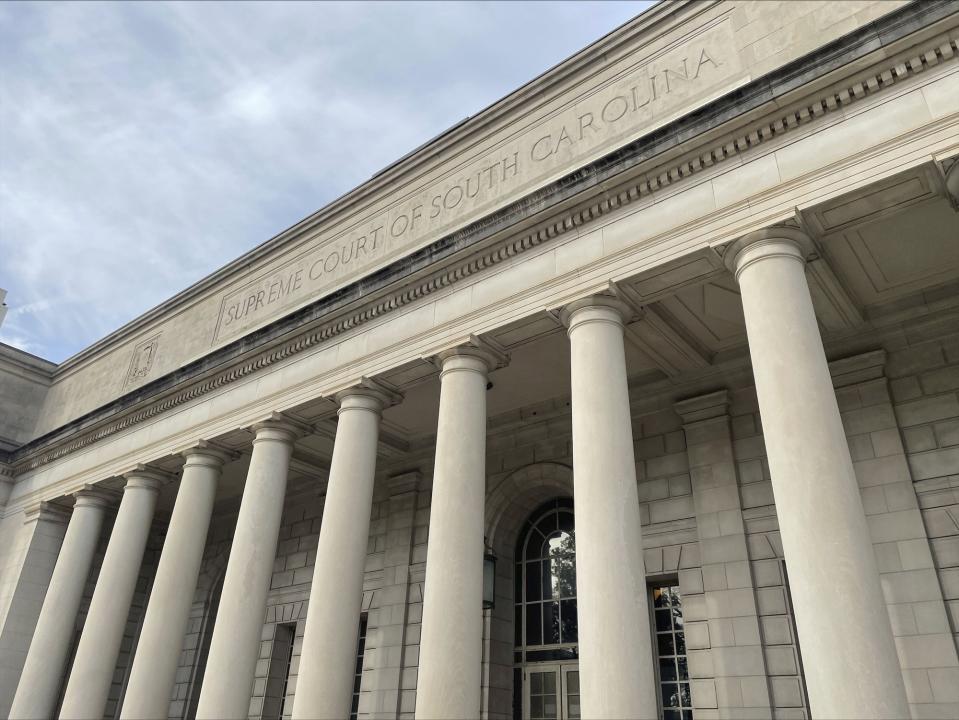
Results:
[923, 376]
[778, 630]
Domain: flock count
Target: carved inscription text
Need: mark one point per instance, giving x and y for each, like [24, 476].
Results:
[594, 124]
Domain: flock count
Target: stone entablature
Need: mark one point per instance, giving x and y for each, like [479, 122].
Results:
[655, 185]
[197, 318]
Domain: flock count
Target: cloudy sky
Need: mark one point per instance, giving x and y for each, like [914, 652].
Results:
[144, 145]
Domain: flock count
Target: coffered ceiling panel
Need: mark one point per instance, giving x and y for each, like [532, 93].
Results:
[899, 254]
[712, 313]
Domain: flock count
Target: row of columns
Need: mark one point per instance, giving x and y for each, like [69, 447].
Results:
[849, 656]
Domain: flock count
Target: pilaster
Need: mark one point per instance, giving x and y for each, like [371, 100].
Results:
[390, 655]
[907, 570]
[724, 645]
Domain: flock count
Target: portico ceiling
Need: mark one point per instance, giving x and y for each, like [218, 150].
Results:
[881, 251]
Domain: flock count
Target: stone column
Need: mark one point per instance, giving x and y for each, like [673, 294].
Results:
[44, 525]
[850, 660]
[231, 665]
[96, 658]
[327, 662]
[39, 686]
[615, 649]
[451, 646]
[150, 687]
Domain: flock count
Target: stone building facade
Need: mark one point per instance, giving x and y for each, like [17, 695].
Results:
[634, 395]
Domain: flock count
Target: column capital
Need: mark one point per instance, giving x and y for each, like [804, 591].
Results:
[204, 452]
[952, 182]
[473, 353]
[279, 428]
[595, 308]
[703, 407]
[95, 496]
[367, 394]
[146, 478]
[46, 510]
[776, 241]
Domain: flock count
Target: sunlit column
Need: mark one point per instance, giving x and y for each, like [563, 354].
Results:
[96, 657]
[39, 686]
[327, 663]
[158, 650]
[451, 646]
[615, 647]
[234, 648]
[849, 656]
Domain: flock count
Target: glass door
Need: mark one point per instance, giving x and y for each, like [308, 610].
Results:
[570, 677]
[552, 692]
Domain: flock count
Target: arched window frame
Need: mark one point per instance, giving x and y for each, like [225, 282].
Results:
[548, 522]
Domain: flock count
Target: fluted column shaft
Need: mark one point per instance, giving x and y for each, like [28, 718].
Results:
[39, 686]
[325, 682]
[615, 648]
[95, 661]
[451, 646]
[849, 656]
[234, 648]
[150, 687]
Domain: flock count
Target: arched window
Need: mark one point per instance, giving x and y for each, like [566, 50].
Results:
[546, 624]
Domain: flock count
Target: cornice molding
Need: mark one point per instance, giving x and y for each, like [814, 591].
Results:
[837, 98]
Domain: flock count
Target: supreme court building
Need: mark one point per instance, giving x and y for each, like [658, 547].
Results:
[635, 395]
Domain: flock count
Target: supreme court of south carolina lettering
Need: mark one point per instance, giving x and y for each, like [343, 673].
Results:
[635, 395]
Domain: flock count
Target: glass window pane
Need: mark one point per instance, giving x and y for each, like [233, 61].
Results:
[569, 621]
[572, 682]
[678, 617]
[671, 715]
[572, 703]
[670, 695]
[660, 599]
[549, 706]
[533, 582]
[518, 583]
[665, 643]
[536, 707]
[667, 669]
[549, 683]
[536, 683]
[551, 623]
[534, 624]
[684, 695]
[549, 583]
[662, 620]
[680, 643]
[534, 545]
[683, 670]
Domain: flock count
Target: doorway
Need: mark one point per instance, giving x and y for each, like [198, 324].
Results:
[546, 674]
[552, 692]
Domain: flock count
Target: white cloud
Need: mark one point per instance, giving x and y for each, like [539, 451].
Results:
[143, 145]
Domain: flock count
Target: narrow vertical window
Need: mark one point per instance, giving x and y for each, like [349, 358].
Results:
[358, 671]
[274, 702]
[670, 646]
